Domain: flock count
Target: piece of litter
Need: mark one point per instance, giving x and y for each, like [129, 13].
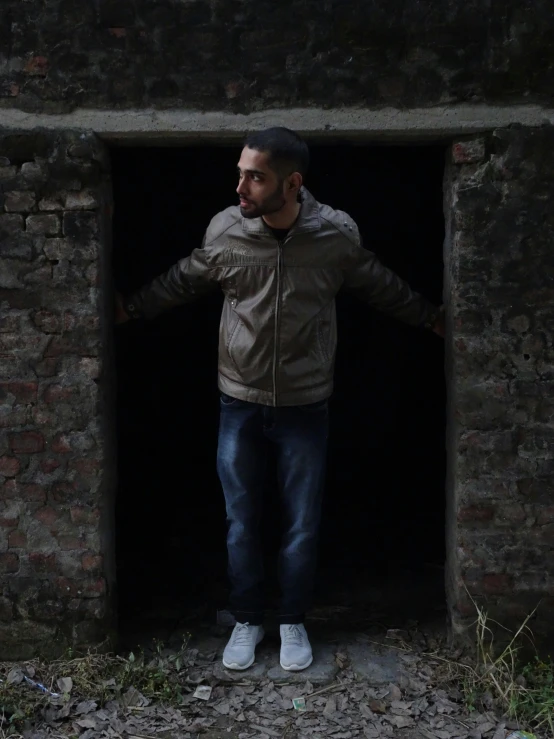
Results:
[15, 676]
[40, 686]
[521, 735]
[299, 704]
[203, 692]
[65, 684]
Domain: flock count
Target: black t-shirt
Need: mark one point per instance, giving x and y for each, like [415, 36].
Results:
[279, 233]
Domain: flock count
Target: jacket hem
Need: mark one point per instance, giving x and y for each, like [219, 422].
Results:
[265, 397]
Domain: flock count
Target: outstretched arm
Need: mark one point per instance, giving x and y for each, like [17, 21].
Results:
[370, 280]
[187, 280]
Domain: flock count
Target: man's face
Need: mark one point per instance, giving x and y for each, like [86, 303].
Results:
[260, 189]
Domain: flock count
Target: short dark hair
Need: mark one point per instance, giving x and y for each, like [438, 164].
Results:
[287, 151]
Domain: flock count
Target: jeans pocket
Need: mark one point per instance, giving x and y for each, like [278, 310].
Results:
[227, 400]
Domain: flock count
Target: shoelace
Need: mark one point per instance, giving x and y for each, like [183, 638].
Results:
[241, 635]
[293, 637]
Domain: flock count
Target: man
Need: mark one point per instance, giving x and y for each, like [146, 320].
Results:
[280, 258]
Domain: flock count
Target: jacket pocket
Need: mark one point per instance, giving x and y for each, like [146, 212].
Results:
[234, 332]
[324, 333]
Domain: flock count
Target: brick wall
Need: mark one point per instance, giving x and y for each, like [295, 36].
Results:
[499, 199]
[216, 54]
[56, 436]
[55, 470]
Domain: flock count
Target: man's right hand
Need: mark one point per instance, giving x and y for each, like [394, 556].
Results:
[121, 315]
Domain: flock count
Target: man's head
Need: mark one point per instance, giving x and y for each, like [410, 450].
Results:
[271, 169]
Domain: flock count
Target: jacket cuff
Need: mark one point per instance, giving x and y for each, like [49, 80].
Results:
[130, 305]
[431, 320]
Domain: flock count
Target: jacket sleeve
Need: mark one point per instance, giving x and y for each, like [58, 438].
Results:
[188, 279]
[370, 280]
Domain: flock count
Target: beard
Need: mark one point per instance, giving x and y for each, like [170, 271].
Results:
[272, 204]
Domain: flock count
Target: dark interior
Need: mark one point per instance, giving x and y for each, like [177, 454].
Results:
[382, 540]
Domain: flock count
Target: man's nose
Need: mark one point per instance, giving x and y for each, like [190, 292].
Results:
[241, 187]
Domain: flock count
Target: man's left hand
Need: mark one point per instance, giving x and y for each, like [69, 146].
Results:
[438, 328]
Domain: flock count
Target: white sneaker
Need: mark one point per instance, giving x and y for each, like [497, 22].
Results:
[240, 651]
[296, 652]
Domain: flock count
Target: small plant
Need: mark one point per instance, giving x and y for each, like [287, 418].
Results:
[524, 692]
[98, 677]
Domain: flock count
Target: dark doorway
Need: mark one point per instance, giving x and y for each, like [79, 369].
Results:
[383, 527]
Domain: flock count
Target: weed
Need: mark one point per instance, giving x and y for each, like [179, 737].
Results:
[100, 677]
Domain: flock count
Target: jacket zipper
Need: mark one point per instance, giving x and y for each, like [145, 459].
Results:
[277, 318]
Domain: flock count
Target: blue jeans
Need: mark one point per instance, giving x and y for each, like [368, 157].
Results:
[298, 435]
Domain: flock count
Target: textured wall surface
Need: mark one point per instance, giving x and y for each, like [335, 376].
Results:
[500, 198]
[60, 54]
[56, 452]
[55, 469]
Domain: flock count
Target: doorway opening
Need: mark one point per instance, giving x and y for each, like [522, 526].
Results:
[382, 545]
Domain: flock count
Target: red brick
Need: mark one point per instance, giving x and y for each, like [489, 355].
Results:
[464, 152]
[60, 445]
[546, 515]
[46, 367]
[73, 346]
[94, 588]
[476, 513]
[49, 465]
[47, 515]
[9, 562]
[9, 523]
[91, 561]
[512, 513]
[9, 89]
[17, 540]
[86, 466]
[24, 392]
[9, 466]
[27, 442]
[465, 608]
[55, 393]
[37, 66]
[70, 543]
[48, 322]
[24, 491]
[67, 588]
[81, 515]
[63, 492]
[43, 563]
[496, 583]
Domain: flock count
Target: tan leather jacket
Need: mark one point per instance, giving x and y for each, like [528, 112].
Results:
[278, 331]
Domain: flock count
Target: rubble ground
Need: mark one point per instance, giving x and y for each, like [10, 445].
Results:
[393, 683]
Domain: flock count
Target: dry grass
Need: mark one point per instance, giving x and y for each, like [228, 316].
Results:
[522, 691]
[98, 677]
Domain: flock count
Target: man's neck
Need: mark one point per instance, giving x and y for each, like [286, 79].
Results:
[284, 219]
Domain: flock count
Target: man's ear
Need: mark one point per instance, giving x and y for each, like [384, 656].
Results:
[295, 181]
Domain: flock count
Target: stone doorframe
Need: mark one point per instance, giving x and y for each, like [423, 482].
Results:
[57, 448]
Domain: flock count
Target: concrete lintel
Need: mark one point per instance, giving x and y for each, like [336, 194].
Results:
[150, 126]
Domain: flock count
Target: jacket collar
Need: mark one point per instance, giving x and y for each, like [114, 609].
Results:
[308, 218]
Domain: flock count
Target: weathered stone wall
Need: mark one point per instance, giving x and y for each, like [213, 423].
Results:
[255, 54]
[55, 469]
[500, 235]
